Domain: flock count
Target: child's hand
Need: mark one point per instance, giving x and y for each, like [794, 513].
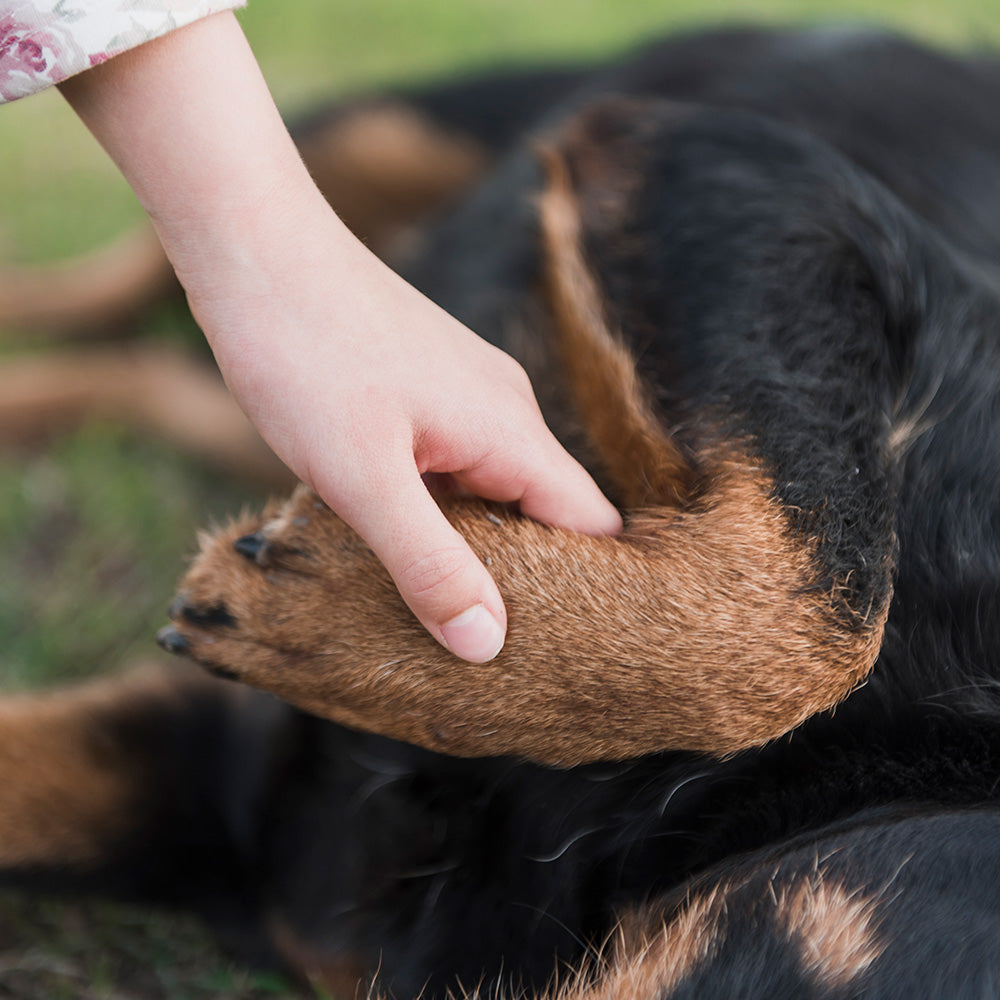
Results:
[358, 382]
[360, 385]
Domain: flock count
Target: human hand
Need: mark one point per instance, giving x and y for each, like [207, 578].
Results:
[358, 382]
[361, 385]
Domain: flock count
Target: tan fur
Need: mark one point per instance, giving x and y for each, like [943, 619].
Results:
[383, 167]
[642, 461]
[68, 790]
[689, 631]
[835, 929]
[156, 389]
[645, 964]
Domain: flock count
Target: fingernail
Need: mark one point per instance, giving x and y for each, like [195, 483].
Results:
[474, 635]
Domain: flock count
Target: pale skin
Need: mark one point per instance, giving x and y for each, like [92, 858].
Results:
[358, 382]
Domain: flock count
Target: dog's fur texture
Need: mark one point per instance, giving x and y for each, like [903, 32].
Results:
[757, 293]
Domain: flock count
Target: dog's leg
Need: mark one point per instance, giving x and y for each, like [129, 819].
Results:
[151, 786]
[144, 783]
[697, 630]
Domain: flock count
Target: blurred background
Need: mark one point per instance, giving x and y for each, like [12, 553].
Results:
[96, 523]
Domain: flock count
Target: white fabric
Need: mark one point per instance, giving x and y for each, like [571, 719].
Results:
[45, 41]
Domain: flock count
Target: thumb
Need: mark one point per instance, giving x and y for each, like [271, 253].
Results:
[437, 574]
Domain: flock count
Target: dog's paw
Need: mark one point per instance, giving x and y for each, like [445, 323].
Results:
[274, 589]
[295, 603]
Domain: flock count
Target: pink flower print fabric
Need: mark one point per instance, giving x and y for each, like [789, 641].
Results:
[45, 41]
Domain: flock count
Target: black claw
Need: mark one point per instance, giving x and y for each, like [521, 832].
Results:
[172, 641]
[217, 615]
[254, 546]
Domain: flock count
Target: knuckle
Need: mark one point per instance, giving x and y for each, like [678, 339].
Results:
[519, 379]
[434, 574]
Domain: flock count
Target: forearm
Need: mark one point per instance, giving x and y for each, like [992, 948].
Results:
[191, 124]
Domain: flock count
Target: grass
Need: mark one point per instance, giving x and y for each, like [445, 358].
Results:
[94, 529]
[95, 950]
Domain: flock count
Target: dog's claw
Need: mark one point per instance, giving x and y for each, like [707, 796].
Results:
[252, 546]
[172, 641]
[206, 616]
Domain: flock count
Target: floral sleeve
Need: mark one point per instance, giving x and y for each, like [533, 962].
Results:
[45, 41]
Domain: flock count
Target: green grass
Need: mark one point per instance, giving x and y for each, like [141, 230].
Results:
[94, 530]
[95, 950]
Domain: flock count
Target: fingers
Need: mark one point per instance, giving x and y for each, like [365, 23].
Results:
[438, 575]
[529, 466]
[547, 483]
[559, 491]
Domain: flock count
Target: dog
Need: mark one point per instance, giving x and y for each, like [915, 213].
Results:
[748, 748]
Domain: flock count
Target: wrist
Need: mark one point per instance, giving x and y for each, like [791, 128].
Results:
[243, 233]
[255, 273]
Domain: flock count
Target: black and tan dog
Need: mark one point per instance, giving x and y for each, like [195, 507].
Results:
[757, 292]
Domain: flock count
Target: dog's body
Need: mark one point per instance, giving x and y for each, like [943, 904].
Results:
[795, 237]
